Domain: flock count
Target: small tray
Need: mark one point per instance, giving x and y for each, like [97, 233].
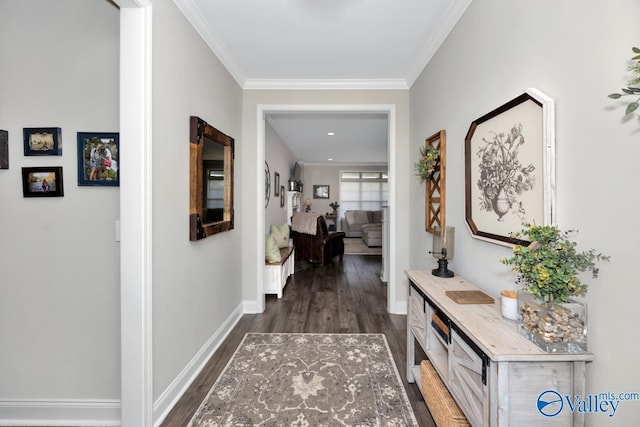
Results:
[470, 297]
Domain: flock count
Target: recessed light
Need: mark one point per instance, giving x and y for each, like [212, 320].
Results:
[330, 159]
[331, 133]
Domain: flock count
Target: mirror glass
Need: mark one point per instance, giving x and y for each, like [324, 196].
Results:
[211, 175]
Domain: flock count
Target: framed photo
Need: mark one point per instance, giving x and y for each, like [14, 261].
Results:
[276, 184]
[282, 196]
[320, 191]
[42, 181]
[510, 168]
[98, 159]
[42, 141]
[4, 149]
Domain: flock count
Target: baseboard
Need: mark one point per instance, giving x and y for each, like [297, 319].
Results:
[176, 389]
[60, 412]
[251, 307]
[398, 307]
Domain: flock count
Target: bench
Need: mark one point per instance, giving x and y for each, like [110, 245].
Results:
[276, 273]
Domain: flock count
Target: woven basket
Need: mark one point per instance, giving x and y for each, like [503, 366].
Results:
[444, 410]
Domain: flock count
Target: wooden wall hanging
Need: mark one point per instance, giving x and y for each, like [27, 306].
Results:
[435, 207]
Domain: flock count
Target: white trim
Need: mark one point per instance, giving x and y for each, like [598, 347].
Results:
[60, 412]
[438, 36]
[393, 306]
[135, 217]
[192, 12]
[181, 383]
[348, 164]
[326, 84]
[251, 307]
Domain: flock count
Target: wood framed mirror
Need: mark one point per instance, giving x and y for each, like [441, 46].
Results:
[211, 180]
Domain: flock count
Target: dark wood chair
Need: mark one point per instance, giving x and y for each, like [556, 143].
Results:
[321, 247]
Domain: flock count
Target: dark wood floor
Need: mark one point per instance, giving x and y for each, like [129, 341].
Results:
[343, 297]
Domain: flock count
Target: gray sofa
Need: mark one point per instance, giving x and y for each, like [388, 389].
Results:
[352, 221]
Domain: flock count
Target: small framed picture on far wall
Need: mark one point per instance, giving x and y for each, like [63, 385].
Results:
[42, 141]
[320, 191]
[42, 181]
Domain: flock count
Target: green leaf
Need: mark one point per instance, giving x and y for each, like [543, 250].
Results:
[615, 96]
[635, 49]
[636, 58]
[627, 91]
[632, 107]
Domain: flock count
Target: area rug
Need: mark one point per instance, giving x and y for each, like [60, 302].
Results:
[355, 246]
[308, 380]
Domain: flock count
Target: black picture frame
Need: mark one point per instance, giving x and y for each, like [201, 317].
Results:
[320, 191]
[42, 181]
[510, 168]
[42, 141]
[282, 196]
[276, 184]
[4, 149]
[99, 159]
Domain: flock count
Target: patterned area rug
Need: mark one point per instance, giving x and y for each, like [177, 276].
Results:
[355, 246]
[308, 380]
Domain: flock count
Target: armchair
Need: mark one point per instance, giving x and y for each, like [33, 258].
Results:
[321, 247]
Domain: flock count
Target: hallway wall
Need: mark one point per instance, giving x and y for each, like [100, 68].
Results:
[575, 52]
[59, 259]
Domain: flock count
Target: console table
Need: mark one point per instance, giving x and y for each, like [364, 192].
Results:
[494, 374]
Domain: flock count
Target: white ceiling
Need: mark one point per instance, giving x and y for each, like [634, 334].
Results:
[325, 44]
[360, 137]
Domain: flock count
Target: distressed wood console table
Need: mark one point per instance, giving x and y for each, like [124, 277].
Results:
[495, 375]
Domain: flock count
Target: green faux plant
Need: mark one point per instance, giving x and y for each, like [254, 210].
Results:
[633, 85]
[426, 164]
[548, 267]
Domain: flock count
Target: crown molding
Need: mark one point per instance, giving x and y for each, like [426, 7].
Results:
[192, 12]
[325, 84]
[447, 23]
[349, 164]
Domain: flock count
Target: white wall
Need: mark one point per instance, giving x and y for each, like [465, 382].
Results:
[576, 53]
[252, 99]
[59, 286]
[280, 159]
[197, 286]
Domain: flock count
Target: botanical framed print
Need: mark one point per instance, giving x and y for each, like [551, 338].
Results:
[276, 184]
[42, 181]
[320, 191]
[42, 141]
[98, 159]
[509, 168]
[282, 196]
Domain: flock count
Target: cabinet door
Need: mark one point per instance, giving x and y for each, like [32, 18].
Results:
[417, 321]
[465, 377]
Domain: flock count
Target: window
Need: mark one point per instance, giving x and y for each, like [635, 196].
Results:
[363, 190]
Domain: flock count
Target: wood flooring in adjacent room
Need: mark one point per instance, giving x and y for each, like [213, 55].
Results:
[342, 297]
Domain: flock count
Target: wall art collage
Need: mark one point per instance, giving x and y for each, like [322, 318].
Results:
[98, 160]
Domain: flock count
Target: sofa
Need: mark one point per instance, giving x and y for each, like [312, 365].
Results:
[354, 221]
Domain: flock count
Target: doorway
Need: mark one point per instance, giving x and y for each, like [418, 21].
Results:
[389, 110]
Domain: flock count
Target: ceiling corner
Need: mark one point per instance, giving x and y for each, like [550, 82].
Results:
[439, 35]
[192, 12]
